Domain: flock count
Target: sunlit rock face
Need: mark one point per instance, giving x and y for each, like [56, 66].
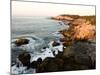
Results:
[63, 18]
[80, 29]
[83, 30]
[79, 21]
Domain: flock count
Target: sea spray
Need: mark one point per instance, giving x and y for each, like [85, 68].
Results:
[49, 51]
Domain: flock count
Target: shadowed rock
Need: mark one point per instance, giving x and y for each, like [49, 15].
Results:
[79, 56]
[55, 43]
[50, 65]
[85, 53]
[25, 58]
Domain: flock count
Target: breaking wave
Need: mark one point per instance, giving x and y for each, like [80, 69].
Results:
[37, 48]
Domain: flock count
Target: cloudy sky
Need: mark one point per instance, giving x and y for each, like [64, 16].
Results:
[47, 9]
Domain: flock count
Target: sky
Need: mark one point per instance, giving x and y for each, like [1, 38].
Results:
[47, 9]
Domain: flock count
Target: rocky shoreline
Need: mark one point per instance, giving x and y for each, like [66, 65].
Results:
[79, 52]
[79, 47]
[79, 40]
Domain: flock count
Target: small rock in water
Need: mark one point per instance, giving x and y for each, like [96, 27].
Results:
[21, 41]
[55, 43]
[44, 47]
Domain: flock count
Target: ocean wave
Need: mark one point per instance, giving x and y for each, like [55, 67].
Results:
[36, 50]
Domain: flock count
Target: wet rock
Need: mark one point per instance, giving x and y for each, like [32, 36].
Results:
[34, 64]
[25, 58]
[44, 47]
[39, 61]
[55, 43]
[21, 41]
[15, 53]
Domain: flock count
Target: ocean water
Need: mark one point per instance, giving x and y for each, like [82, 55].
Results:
[42, 32]
[39, 26]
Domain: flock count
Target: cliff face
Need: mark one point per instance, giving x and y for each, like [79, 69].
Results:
[83, 30]
[79, 42]
[81, 27]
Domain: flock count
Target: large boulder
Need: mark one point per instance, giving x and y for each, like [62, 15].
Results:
[21, 41]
